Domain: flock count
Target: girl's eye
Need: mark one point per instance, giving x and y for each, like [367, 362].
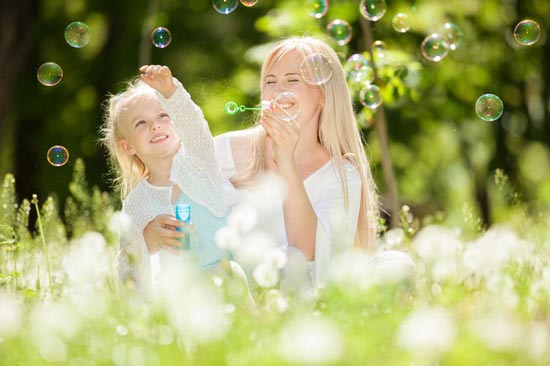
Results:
[139, 123]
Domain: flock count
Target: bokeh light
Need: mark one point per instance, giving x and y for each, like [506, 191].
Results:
[249, 3]
[317, 8]
[370, 96]
[225, 6]
[49, 74]
[489, 107]
[401, 22]
[340, 31]
[453, 34]
[373, 10]
[358, 69]
[57, 155]
[527, 32]
[434, 47]
[316, 69]
[161, 37]
[77, 34]
[286, 106]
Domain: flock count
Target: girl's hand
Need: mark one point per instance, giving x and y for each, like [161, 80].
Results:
[161, 233]
[159, 78]
[284, 135]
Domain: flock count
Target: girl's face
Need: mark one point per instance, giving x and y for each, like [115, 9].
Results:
[147, 129]
[284, 76]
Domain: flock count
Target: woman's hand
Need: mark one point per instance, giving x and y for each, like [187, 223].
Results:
[284, 135]
[161, 233]
[159, 78]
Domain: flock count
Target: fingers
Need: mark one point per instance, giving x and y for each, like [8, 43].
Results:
[150, 72]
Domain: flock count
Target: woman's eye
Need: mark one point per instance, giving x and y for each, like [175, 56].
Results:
[270, 82]
[164, 115]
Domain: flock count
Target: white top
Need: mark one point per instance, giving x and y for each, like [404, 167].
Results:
[194, 170]
[336, 225]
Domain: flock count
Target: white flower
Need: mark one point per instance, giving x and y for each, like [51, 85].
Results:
[228, 238]
[394, 237]
[11, 314]
[87, 261]
[275, 257]
[435, 242]
[243, 217]
[265, 275]
[428, 331]
[500, 331]
[311, 340]
[392, 267]
[120, 223]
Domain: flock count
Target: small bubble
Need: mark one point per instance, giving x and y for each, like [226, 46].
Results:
[434, 47]
[372, 10]
[161, 37]
[286, 106]
[57, 155]
[527, 32]
[489, 107]
[77, 34]
[358, 69]
[401, 22]
[249, 3]
[340, 31]
[317, 8]
[370, 96]
[225, 6]
[316, 69]
[453, 34]
[49, 74]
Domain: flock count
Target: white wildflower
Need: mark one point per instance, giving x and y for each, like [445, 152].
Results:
[394, 238]
[87, 261]
[243, 217]
[392, 267]
[435, 242]
[120, 223]
[276, 257]
[265, 275]
[311, 340]
[428, 331]
[228, 238]
[11, 314]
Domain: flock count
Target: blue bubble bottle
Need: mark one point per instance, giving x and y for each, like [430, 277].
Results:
[183, 213]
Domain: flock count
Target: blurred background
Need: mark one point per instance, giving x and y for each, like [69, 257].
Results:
[428, 148]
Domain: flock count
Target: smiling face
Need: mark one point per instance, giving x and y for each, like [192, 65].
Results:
[147, 130]
[283, 75]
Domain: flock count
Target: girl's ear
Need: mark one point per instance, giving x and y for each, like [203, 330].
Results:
[126, 147]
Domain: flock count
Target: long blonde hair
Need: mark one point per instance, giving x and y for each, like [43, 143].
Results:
[338, 134]
[128, 170]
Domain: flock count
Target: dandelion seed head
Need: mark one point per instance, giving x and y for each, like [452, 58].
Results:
[311, 340]
[243, 217]
[428, 331]
[435, 242]
[265, 275]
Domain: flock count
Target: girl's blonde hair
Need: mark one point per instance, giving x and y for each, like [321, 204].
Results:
[128, 170]
[338, 133]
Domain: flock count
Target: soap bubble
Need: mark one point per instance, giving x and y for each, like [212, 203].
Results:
[434, 47]
[372, 9]
[370, 96]
[316, 69]
[57, 155]
[249, 3]
[317, 8]
[453, 34]
[286, 106]
[358, 69]
[489, 107]
[401, 22]
[527, 32]
[77, 34]
[225, 6]
[161, 37]
[49, 74]
[340, 31]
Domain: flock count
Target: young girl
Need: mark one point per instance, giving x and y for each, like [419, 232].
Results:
[162, 152]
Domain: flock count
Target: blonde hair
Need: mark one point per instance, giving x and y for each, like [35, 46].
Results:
[128, 170]
[337, 133]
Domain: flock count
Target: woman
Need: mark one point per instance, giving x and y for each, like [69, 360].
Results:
[319, 154]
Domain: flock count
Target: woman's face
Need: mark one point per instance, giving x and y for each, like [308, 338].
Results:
[284, 76]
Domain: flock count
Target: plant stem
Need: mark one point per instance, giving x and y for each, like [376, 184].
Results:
[41, 230]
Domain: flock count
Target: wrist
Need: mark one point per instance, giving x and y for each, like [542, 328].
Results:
[168, 93]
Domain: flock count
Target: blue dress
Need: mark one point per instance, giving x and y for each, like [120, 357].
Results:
[203, 249]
